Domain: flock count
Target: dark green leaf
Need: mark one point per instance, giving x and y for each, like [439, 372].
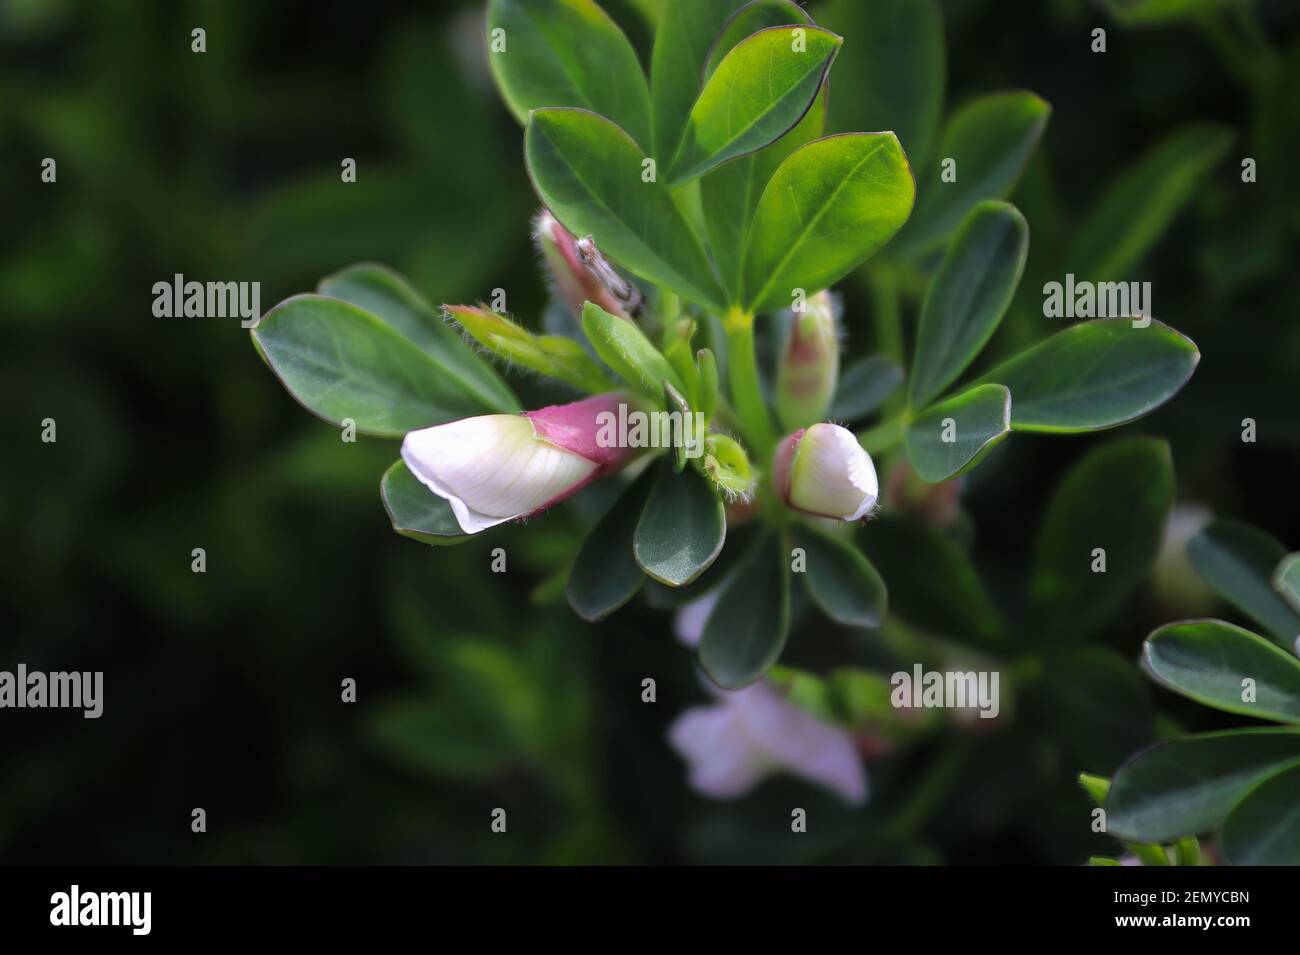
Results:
[1264, 828]
[1093, 703]
[415, 511]
[590, 175]
[682, 528]
[1207, 661]
[1096, 375]
[990, 140]
[567, 53]
[953, 436]
[828, 206]
[1238, 561]
[387, 296]
[841, 580]
[892, 70]
[1186, 786]
[1117, 499]
[864, 386]
[342, 362]
[605, 575]
[746, 632]
[1286, 581]
[761, 89]
[968, 296]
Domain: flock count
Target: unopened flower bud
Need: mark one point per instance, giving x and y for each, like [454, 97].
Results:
[810, 363]
[575, 280]
[500, 467]
[824, 471]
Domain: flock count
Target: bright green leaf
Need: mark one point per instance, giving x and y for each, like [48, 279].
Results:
[1096, 375]
[748, 20]
[566, 53]
[953, 436]
[621, 345]
[592, 177]
[828, 206]
[968, 296]
[552, 355]
[1207, 660]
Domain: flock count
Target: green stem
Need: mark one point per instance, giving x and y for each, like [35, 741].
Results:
[746, 392]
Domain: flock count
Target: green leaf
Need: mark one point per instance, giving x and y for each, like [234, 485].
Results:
[1150, 13]
[387, 296]
[892, 70]
[1095, 786]
[415, 511]
[1149, 853]
[605, 575]
[686, 33]
[567, 53]
[1186, 786]
[342, 362]
[1092, 703]
[761, 89]
[841, 580]
[707, 399]
[682, 529]
[1238, 561]
[746, 631]
[864, 386]
[1286, 580]
[968, 296]
[552, 355]
[828, 206]
[1118, 499]
[730, 193]
[1139, 205]
[990, 139]
[622, 346]
[1096, 375]
[588, 172]
[953, 436]
[1207, 660]
[931, 583]
[748, 20]
[1264, 828]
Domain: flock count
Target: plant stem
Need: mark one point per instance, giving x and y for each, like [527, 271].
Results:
[746, 393]
[927, 796]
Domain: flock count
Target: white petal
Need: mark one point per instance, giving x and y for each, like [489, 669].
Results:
[832, 474]
[491, 468]
[722, 761]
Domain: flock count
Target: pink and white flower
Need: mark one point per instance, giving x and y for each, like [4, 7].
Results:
[501, 467]
[824, 471]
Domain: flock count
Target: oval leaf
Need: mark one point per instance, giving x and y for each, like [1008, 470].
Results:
[953, 436]
[864, 386]
[415, 511]
[968, 296]
[830, 205]
[746, 631]
[1207, 660]
[1286, 581]
[1187, 786]
[342, 362]
[760, 91]
[566, 53]
[1096, 375]
[841, 580]
[386, 295]
[1083, 526]
[1264, 828]
[590, 175]
[682, 529]
[989, 140]
[1238, 561]
[605, 574]
[622, 346]
[748, 20]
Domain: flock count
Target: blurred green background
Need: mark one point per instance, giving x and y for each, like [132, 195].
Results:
[478, 690]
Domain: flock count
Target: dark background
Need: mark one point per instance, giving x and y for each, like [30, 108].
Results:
[475, 690]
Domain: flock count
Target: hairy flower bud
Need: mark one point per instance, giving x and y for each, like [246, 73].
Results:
[824, 471]
[575, 280]
[500, 467]
[810, 363]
